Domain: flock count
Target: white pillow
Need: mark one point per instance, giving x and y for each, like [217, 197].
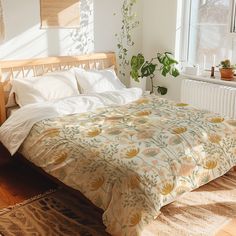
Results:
[98, 81]
[49, 87]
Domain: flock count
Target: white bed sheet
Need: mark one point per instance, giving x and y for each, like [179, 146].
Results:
[16, 128]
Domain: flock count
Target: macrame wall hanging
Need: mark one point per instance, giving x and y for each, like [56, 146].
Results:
[2, 26]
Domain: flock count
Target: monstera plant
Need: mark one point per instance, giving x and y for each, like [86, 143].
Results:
[163, 62]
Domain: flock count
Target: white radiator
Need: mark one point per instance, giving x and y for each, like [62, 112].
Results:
[212, 97]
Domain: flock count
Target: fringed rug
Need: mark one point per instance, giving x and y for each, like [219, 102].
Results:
[199, 213]
[202, 212]
[55, 213]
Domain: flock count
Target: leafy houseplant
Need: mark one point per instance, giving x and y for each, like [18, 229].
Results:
[141, 68]
[226, 70]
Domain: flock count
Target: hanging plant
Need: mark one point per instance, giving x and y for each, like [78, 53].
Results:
[124, 38]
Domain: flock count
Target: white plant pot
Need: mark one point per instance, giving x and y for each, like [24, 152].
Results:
[141, 84]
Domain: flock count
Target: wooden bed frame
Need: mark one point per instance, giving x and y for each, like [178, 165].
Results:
[35, 67]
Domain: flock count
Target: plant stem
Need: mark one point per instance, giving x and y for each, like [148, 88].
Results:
[152, 89]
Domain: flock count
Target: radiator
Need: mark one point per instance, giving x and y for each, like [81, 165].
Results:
[212, 97]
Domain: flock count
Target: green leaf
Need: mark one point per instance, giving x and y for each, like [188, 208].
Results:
[166, 61]
[160, 58]
[137, 61]
[148, 69]
[171, 61]
[165, 70]
[175, 72]
[135, 75]
[136, 64]
[162, 90]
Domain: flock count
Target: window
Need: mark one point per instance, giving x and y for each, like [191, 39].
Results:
[210, 32]
[233, 18]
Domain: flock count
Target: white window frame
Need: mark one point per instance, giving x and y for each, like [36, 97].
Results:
[233, 17]
[183, 30]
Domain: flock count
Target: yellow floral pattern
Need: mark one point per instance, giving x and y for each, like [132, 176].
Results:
[131, 153]
[214, 138]
[143, 113]
[135, 219]
[94, 132]
[167, 188]
[216, 120]
[132, 160]
[179, 130]
[181, 104]
[211, 164]
[96, 184]
[60, 158]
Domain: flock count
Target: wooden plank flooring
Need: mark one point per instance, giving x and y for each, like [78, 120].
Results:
[19, 182]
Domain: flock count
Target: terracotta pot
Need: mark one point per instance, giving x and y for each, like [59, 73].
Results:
[227, 73]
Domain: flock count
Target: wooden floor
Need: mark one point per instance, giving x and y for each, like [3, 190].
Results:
[19, 182]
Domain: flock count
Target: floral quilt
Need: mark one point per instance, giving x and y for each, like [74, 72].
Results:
[131, 160]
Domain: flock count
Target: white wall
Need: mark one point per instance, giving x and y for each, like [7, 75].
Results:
[159, 35]
[25, 39]
[100, 21]
[108, 23]
[99, 24]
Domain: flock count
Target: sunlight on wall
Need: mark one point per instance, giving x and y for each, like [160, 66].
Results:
[27, 41]
[100, 21]
[31, 42]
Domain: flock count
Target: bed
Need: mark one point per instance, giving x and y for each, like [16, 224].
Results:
[129, 158]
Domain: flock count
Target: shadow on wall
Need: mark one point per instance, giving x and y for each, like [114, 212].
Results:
[83, 37]
[25, 39]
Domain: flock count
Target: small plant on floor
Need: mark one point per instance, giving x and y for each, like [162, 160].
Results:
[141, 68]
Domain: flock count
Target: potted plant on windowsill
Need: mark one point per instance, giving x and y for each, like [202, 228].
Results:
[142, 69]
[227, 70]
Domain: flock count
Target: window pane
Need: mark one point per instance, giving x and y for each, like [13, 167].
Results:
[210, 41]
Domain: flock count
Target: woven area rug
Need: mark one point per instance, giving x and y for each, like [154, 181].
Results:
[56, 213]
[199, 213]
[202, 212]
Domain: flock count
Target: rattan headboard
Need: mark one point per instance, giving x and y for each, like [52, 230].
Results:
[35, 67]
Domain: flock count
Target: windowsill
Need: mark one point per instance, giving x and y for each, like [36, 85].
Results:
[207, 78]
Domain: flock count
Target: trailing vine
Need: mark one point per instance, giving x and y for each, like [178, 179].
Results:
[124, 38]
